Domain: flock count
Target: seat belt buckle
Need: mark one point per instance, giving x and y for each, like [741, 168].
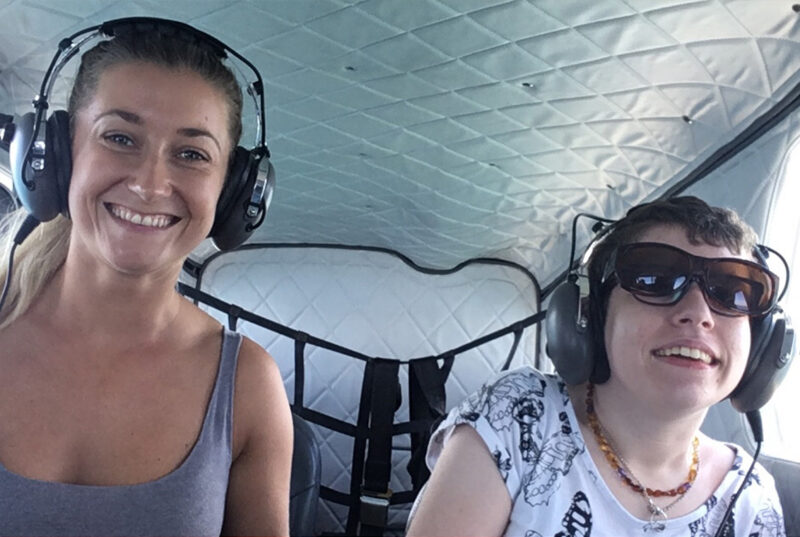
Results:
[375, 507]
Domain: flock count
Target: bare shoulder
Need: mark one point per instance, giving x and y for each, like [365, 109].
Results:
[261, 406]
[258, 371]
[258, 488]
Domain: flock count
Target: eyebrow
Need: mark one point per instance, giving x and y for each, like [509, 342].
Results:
[130, 117]
[193, 133]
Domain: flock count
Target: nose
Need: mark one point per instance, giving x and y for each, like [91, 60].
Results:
[693, 308]
[151, 179]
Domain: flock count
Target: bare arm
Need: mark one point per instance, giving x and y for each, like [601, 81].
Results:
[465, 494]
[258, 488]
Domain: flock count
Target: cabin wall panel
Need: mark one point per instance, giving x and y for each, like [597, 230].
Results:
[748, 182]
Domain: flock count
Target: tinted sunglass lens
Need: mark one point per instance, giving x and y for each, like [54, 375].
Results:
[740, 287]
[653, 273]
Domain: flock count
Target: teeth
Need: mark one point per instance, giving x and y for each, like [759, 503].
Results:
[685, 352]
[154, 220]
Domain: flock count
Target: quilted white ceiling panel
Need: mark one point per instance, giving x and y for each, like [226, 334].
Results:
[454, 129]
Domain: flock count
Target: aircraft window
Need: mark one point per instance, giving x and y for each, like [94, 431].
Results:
[6, 201]
[5, 178]
[781, 432]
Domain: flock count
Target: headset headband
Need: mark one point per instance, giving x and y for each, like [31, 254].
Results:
[68, 48]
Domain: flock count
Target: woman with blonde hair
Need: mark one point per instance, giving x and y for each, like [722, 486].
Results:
[125, 409]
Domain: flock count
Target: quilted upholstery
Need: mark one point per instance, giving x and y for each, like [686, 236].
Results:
[453, 129]
[373, 303]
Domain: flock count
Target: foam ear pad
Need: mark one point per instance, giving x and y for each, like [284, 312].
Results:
[46, 196]
[569, 345]
[235, 180]
[232, 222]
[60, 144]
[771, 352]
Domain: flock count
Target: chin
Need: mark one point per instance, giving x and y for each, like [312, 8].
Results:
[138, 266]
[693, 398]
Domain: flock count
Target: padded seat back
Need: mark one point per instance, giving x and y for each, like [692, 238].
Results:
[306, 473]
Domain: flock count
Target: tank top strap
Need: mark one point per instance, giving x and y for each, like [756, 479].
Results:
[218, 427]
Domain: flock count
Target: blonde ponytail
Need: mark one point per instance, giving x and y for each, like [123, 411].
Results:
[35, 261]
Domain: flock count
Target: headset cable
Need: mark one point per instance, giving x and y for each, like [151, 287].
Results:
[754, 419]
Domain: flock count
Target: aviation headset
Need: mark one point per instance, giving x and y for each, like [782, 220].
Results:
[40, 150]
[576, 344]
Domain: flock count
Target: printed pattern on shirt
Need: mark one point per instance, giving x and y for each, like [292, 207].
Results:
[707, 525]
[518, 405]
[577, 521]
[526, 420]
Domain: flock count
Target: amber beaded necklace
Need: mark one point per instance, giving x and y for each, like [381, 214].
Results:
[621, 468]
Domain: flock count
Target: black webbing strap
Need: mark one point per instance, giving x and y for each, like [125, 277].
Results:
[234, 312]
[299, 369]
[360, 448]
[426, 404]
[519, 325]
[513, 350]
[375, 492]
[243, 314]
[225, 307]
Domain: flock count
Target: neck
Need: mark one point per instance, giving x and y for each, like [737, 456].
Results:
[101, 306]
[654, 442]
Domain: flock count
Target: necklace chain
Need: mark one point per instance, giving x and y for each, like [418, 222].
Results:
[658, 514]
[651, 505]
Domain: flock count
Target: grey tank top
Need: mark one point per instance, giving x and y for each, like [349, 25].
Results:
[190, 500]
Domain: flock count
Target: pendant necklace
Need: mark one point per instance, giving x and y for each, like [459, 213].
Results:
[658, 514]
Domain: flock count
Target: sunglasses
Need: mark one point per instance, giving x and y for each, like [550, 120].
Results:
[660, 274]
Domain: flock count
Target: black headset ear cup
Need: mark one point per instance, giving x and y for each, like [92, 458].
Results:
[60, 144]
[48, 197]
[569, 343]
[23, 131]
[771, 352]
[233, 224]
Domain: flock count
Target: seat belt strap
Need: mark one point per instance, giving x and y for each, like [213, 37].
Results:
[375, 493]
[427, 403]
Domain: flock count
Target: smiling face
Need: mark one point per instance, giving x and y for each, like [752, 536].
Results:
[679, 356]
[150, 154]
